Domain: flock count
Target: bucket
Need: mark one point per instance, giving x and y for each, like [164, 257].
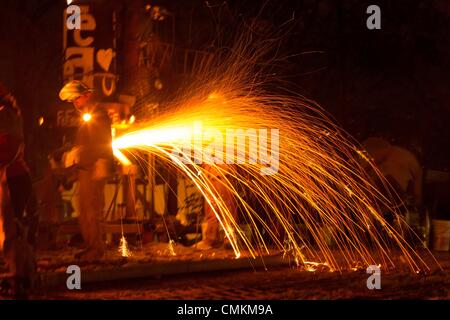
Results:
[441, 235]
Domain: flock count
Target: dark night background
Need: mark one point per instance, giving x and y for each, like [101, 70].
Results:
[392, 82]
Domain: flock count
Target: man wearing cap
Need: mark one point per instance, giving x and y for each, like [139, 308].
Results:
[94, 145]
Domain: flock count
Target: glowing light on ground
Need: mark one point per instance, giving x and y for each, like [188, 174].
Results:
[123, 248]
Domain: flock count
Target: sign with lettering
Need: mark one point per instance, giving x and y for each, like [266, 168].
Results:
[90, 51]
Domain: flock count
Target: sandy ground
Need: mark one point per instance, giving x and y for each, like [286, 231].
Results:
[274, 284]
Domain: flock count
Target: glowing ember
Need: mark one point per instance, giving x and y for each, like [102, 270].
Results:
[172, 248]
[315, 266]
[123, 248]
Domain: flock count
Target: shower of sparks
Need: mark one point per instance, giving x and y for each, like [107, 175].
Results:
[123, 248]
[322, 201]
[321, 182]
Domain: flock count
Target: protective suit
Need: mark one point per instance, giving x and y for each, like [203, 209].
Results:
[95, 160]
[212, 233]
[94, 144]
[19, 256]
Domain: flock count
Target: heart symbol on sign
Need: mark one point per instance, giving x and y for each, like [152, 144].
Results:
[104, 58]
